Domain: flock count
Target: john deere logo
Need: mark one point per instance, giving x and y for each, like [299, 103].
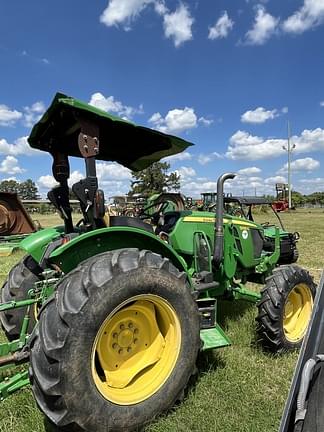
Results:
[245, 234]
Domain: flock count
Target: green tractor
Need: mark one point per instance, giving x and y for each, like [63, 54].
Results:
[247, 206]
[112, 312]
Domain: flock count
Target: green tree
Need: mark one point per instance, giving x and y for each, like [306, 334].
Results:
[316, 198]
[297, 198]
[154, 179]
[25, 190]
[9, 186]
[28, 190]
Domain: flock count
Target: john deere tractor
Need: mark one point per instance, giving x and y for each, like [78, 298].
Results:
[112, 312]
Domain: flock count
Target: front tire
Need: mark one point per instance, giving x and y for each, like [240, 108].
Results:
[116, 344]
[20, 280]
[285, 308]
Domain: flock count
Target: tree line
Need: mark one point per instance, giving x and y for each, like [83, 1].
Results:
[154, 179]
[26, 190]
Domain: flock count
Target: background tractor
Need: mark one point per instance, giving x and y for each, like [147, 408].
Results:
[112, 312]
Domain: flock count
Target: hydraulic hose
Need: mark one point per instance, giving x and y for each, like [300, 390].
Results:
[306, 379]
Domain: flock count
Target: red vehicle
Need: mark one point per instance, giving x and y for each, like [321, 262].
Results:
[281, 203]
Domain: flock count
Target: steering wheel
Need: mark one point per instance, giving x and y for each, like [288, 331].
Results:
[145, 215]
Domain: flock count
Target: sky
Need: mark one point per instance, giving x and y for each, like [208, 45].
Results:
[227, 76]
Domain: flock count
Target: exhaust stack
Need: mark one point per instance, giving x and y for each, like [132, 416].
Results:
[219, 230]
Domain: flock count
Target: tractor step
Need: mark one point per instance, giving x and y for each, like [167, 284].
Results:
[214, 338]
[13, 384]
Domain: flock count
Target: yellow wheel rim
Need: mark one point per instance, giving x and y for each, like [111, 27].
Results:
[297, 312]
[136, 349]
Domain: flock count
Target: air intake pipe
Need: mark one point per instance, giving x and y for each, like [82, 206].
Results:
[219, 230]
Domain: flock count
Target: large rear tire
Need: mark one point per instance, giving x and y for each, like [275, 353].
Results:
[20, 280]
[116, 344]
[285, 308]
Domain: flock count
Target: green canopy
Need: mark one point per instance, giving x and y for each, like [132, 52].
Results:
[135, 147]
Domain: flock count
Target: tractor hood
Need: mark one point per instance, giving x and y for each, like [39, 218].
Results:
[135, 147]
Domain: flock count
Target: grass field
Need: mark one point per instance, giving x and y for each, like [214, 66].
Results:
[239, 389]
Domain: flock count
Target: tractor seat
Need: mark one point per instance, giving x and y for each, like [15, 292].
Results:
[170, 219]
[130, 222]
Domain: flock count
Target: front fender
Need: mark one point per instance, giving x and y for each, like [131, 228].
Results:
[69, 255]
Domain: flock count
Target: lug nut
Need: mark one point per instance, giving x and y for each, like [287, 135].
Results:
[130, 325]
[122, 326]
[136, 331]
[115, 335]
[120, 351]
[115, 346]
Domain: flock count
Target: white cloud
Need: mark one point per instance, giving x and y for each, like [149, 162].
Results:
[240, 183]
[33, 113]
[301, 165]
[310, 185]
[322, 103]
[204, 159]
[265, 25]
[110, 104]
[20, 146]
[205, 121]
[275, 179]
[259, 115]
[177, 25]
[176, 120]
[112, 171]
[284, 110]
[245, 146]
[108, 173]
[316, 180]
[249, 171]
[194, 187]
[186, 173]
[8, 117]
[75, 177]
[309, 140]
[178, 157]
[242, 145]
[114, 187]
[46, 181]
[310, 15]
[221, 28]
[123, 11]
[160, 7]
[10, 166]
[29, 116]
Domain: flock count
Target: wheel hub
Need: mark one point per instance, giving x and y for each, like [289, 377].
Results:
[125, 338]
[136, 349]
[297, 312]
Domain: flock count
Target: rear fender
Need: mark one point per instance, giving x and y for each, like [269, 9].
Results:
[69, 255]
[36, 243]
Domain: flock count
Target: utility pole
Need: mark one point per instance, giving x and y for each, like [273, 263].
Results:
[289, 150]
